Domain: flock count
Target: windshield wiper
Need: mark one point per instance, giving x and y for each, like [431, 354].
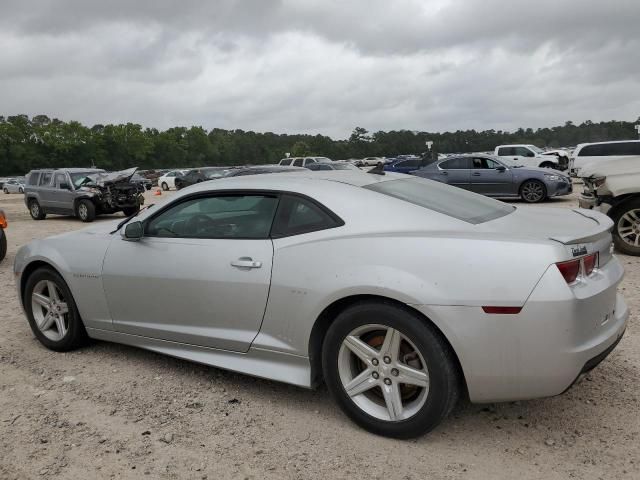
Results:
[130, 217]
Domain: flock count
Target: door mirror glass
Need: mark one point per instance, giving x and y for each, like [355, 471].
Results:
[133, 231]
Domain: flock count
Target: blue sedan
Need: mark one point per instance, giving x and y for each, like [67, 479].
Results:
[403, 164]
[498, 177]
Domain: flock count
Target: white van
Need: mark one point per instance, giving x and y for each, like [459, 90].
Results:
[597, 152]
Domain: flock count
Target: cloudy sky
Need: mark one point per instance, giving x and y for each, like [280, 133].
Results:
[322, 66]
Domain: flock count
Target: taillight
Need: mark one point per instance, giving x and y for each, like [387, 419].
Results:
[569, 270]
[3, 221]
[590, 263]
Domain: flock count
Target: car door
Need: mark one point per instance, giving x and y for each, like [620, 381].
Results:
[489, 177]
[200, 275]
[46, 191]
[525, 157]
[63, 196]
[455, 171]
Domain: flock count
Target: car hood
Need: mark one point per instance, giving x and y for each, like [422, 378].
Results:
[558, 224]
[105, 178]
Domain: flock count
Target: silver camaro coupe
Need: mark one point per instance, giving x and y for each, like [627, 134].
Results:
[400, 293]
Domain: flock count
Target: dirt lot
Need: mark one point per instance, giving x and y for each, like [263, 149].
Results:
[109, 411]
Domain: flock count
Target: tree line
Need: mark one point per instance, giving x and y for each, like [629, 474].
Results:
[37, 142]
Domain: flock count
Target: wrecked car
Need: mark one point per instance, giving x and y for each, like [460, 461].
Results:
[82, 192]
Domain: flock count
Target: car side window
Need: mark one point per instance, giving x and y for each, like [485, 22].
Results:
[297, 215]
[45, 179]
[216, 217]
[171, 174]
[297, 162]
[524, 152]
[61, 181]
[485, 163]
[285, 161]
[455, 164]
[32, 179]
[506, 151]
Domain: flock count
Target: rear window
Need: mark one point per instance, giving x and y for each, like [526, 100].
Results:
[441, 198]
[45, 178]
[33, 177]
[610, 149]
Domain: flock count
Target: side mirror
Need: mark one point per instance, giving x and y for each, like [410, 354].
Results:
[501, 168]
[133, 231]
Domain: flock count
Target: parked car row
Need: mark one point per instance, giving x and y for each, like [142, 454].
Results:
[13, 185]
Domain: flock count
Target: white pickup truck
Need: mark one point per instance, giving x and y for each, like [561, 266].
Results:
[531, 156]
[613, 187]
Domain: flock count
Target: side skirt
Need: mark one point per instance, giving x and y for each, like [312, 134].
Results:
[268, 364]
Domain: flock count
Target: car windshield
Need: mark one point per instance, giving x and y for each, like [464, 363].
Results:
[441, 198]
[535, 149]
[80, 178]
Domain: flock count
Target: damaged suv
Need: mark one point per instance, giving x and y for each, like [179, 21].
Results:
[81, 192]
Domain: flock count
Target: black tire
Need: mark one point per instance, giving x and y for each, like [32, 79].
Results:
[164, 186]
[533, 191]
[623, 219]
[3, 244]
[444, 381]
[6, 191]
[36, 210]
[21, 190]
[76, 335]
[86, 210]
[548, 165]
[131, 211]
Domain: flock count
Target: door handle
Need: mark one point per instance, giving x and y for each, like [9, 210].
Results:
[444, 172]
[476, 174]
[246, 262]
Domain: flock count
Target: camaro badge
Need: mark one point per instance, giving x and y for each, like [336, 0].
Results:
[577, 251]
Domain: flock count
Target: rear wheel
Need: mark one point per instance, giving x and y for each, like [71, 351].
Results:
[52, 312]
[21, 190]
[165, 187]
[6, 191]
[86, 211]
[36, 210]
[626, 232]
[533, 191]
[390, 371]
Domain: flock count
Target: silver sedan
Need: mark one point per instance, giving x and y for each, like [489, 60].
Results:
[400, 293]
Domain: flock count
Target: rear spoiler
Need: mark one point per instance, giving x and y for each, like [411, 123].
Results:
[602, 224]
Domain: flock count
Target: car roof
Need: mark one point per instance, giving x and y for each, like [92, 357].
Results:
[70, 170]
[580, 145]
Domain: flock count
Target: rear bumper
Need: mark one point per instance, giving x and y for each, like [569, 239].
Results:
[540, 352]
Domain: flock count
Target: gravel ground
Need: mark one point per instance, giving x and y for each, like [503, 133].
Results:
[110, 411]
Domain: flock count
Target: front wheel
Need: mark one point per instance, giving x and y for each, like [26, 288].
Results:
[6, 191]
[86, 211]
[389, 370]
[21, 190]
[548, 165]
[3, 245]
[533, 191]
[52, 312]
[626, 231]
[131, 211]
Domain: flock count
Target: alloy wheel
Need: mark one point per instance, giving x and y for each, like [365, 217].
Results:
[35, 209]
[82, 211]
[629, 227]
[383, 372]
[533, 192]
[50, 310]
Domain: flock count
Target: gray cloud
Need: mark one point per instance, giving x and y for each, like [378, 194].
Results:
[322, 66]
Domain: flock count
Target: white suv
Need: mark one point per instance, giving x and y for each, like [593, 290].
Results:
[303, 161]
[597, 152]
[530, 156]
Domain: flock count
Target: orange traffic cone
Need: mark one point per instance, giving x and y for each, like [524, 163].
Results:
[158, 192]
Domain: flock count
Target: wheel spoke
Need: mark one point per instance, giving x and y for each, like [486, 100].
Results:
[363, 382]
[41, 300]
[53, 291]
[631, 216]
[62, 329]
[412, 376]
[393, 401]
[391, 345]
[64, 308]
[47, 321]
[359, 348]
